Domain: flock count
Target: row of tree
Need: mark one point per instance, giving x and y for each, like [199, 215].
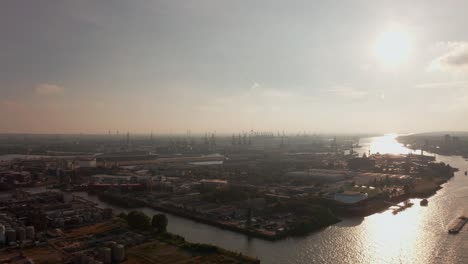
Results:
[140, 221]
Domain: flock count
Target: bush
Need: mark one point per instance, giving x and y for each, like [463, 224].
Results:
[159, 222]
[138, 220]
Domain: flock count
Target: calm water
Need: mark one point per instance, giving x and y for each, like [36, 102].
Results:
[416, 235]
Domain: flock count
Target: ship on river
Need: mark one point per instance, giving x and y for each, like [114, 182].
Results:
[458, 225]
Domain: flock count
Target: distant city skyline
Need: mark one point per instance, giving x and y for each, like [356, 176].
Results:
[232, 66]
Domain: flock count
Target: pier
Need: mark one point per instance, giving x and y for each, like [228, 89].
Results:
[406, 204]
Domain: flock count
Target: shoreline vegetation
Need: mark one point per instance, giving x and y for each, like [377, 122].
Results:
[155, 228]
[304, 227]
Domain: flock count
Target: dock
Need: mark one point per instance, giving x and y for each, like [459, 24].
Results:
[457, 227]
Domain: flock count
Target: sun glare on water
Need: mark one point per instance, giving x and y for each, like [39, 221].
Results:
[392, 47]
[388, 144]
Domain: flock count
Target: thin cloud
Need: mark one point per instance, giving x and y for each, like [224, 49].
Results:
[348, 92]
[258, 90]
[255, 86]
[258, 98]
[382, 96]
[277, 93]
[48, 89]
[12, 106]
[441, 85]
[454, 59]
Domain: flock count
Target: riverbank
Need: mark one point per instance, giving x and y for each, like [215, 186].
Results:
[181, 251]
[438, 143]
[422, 189]
[141, 246]
[302, 226]
[374, 206]
[221, 225]
[382, 230]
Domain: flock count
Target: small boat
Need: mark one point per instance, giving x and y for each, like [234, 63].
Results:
[424, 202]
[466, 173]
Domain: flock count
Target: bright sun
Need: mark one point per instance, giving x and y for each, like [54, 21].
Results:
[392, 47]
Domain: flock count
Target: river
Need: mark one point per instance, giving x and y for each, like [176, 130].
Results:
[416, 235]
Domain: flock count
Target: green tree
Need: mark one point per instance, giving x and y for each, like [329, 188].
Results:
[138, 220]
[159, 222]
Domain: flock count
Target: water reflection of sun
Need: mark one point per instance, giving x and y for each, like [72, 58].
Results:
[395, 238]
[398, 238]
[388, 145]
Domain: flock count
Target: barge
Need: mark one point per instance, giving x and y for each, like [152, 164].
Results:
[457, 227]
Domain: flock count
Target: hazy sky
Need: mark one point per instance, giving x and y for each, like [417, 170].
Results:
[211, 65]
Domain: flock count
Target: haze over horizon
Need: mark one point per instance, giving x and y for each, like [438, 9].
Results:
[231, 66]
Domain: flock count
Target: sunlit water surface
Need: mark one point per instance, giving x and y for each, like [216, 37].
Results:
[415, 235]
[386, 144]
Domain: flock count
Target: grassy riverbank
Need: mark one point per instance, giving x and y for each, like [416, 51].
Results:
[169, 248]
